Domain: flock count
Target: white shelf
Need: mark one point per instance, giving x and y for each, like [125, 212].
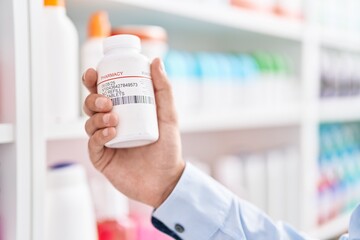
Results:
[241, 119]
[340, 109]
[333, 228]
[201, 122]
[6, 133]
[341, 40]
[220, 15]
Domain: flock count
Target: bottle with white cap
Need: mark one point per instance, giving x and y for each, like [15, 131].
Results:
[112, 210]
[124, 77]
[61, 68]
[69, 212]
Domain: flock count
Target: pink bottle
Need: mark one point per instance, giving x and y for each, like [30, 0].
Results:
[112, 211]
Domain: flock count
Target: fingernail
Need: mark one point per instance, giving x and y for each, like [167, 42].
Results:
[100, 102]
[105, 132]
[162, 66]
[106, 119]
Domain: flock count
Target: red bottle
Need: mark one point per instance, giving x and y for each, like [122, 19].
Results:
[116, 230]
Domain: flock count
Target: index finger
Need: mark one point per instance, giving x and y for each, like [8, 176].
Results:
[89, 80]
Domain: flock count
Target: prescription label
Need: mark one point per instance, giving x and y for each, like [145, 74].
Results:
[127, 89]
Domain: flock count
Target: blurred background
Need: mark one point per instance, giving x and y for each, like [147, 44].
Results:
[267, 92]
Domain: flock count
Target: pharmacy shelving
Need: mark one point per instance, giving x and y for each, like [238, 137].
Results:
[6, 133]
[241, 119]
[340, 40]
[340, 109]
[332, 228]
[219, 15]
[202, 122]
[194, 22]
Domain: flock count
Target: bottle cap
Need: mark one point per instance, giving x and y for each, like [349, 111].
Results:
[65, 174]
[144, 32]
[99, 25]
[54, 3]
[122, 41]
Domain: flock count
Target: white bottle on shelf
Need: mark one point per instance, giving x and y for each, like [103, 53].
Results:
[92, 51]
[61, 64]
[276, 184]
[292, 185]
[112, 211]
[229, 170]
[255, 180]
[69, 210]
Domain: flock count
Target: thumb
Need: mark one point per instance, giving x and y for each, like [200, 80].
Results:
[163, 93]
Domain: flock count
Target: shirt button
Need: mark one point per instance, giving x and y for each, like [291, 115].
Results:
[179, 228]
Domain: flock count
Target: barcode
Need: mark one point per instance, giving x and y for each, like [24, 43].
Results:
[132, 100]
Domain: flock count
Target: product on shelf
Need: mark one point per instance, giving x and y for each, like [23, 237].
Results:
[61, 85]
[290, 8]
[267, 179]
[340, 74]
[68, 205]
[124, 77]
[276, 184]
[255, 175]
[184, 75]
[259, 5]
[292, 185]
[92, 50]
[112, 212]
[153, 38]
[286, 8]
[225, 81]
[229, 170]
[203, 166]
[339, 169]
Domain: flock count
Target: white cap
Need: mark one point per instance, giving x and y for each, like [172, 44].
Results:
[122, 41]
[109, 202]
[65, 175]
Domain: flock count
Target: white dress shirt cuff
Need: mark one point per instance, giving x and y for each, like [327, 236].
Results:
[195, 216]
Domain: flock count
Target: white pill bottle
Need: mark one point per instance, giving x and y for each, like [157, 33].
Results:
[124, 77]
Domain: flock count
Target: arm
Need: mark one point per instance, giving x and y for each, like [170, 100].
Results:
[189, 205]
[200, 208]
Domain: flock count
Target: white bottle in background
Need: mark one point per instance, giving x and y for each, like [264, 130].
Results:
[203, 166]
[69, 210]
[276, 184]
[124, 77]
[229, 170]
[61, 64]
[92, 51]
[292, 185]
[112, 211]
[255, 180]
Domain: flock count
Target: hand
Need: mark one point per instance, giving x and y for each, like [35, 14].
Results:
[147, 174]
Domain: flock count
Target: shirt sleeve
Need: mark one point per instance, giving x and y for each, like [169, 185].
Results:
[200, 208]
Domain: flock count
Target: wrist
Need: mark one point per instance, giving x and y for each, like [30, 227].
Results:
[172, 184]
